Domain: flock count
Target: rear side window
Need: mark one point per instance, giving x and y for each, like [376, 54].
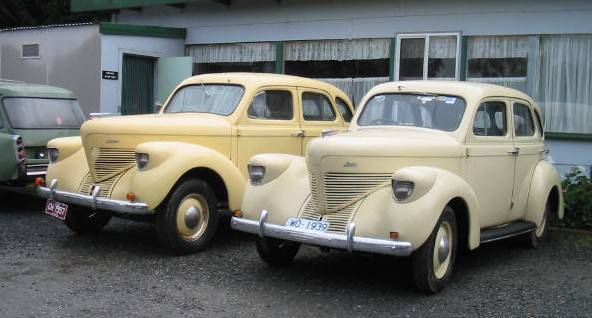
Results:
[490, 119]
[523, 123]
[344, 109]
[317, 107]
[272, 105]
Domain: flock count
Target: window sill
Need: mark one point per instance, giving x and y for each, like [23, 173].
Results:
[568, 136]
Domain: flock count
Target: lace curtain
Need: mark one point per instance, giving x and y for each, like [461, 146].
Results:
[229, 53]
[356, 88]
[563, 82]
[482, 47]
[337, 50]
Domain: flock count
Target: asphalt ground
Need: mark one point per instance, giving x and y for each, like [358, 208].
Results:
[48, 271]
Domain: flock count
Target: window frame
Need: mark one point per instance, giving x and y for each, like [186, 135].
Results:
[509, 126]
[535, 128]
[38, 56]
[336, 112]
[346, 106]
[426, 38]
[266, 120]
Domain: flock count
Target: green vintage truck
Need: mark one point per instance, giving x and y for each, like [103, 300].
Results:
[30, 116]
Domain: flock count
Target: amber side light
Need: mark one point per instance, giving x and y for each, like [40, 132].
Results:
[394, 235]
[39, 182]
[237, 213]
[131, 196]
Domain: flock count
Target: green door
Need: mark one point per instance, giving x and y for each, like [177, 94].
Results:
[137, 88]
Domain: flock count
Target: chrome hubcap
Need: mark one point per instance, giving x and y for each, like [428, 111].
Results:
[192, 217]
[442, 249]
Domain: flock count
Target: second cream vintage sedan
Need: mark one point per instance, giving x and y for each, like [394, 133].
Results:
[183, 165]
[425, 169]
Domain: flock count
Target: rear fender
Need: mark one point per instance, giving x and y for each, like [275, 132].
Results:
[545, 178]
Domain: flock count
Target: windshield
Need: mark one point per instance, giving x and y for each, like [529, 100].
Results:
[43, 113]
[417, 110]
[206, 98]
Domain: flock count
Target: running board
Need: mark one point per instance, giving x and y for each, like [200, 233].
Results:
[506, 231]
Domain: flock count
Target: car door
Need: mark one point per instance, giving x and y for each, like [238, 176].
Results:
[318, 114]
[529, 151]
[489, 168]
[270, 124]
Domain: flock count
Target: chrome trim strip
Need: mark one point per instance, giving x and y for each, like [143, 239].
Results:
[348, 242]
[92, 201]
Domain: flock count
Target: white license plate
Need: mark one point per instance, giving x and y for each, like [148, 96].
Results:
[307, 225]
[56, 209]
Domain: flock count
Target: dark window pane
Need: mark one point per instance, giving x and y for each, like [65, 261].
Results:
[497, 67]
[523, 124]
[344, 109]
[317, 107]
[441, 67]
[258, 67]
[275, 105]
[411, 59]
[338, 69]
[490, 119]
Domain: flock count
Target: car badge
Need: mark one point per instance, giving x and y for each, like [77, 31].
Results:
[112, 141]
[350, 164]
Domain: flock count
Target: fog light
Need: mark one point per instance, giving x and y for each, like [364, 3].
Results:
[256, 174]
[142, 160]
[53, 154]
[39, 182]
[402, 189]
[131, 196]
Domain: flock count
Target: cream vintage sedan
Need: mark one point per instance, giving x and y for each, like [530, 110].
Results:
[425, 168]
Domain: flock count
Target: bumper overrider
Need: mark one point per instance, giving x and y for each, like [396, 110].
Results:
[92, 201]
[348, 241]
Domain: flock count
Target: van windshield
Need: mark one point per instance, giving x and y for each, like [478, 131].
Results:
[417, 110]
[216, 99]
[43, 113]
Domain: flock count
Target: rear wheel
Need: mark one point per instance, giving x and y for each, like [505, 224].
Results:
[434, 260]
[86, 221]
[277, 252]
[533, 238]
[188, 222]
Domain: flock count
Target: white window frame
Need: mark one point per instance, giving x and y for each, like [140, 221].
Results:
[426, 37]
[31, 57]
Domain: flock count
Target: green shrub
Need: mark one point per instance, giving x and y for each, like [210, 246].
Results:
[577, 198]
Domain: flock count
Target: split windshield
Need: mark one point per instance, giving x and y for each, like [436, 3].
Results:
[418, 110]
[206, 98]
[43, 113]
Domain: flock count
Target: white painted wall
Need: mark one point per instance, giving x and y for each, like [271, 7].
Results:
[566, 154]
[267, 20]
[112, 49]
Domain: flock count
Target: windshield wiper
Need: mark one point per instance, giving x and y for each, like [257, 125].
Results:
[205, 89]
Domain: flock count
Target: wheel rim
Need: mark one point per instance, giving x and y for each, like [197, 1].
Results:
[443, 249]
[541, 229]
[192, 217]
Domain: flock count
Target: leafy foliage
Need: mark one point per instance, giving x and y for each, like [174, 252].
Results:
[18, 13]
[577, 198]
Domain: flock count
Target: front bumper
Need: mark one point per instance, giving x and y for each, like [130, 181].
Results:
[92, 201]
[348, 241]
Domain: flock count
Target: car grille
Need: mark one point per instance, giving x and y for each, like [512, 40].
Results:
[106, 163]
[340, 189]
[106, 186]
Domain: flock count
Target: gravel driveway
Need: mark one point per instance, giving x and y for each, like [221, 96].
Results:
[46, 270]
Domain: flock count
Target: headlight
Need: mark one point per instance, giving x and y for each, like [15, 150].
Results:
[142, 160]
[53, 154]
[402, 189]
[256, 174]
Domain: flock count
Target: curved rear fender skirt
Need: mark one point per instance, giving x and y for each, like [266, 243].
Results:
[169, 161]
[379, 214]
[282, 197]
[68, 170]
[544, 178]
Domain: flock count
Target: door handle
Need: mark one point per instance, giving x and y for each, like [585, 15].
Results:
[514, 152]
[299, 133]
[544, 151]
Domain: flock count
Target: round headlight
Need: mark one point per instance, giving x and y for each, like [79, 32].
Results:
[402, 189]
[142, 160]
[53, 154]
[256, 174]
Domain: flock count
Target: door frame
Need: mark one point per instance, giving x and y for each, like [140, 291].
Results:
[121, 54]
[426, 36]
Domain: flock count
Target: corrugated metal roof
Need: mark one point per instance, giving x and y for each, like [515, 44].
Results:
[51, 26]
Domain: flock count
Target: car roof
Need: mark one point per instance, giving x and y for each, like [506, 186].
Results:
[20, 89]
[472, 92]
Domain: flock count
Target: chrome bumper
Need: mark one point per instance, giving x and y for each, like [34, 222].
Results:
[348, 241]
[92, 201]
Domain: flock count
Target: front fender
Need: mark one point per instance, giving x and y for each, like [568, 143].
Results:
[544, 178]
[71, 167]
[379, 213]
[283, 196]
[169, 161]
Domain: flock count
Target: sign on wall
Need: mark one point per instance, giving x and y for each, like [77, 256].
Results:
[110, 75]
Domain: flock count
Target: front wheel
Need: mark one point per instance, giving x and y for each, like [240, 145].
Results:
[277, 252]
[188, 221]
[85, 221]
[434, 260]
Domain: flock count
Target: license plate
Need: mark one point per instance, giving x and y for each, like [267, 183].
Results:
[307, 225]
[56, 209]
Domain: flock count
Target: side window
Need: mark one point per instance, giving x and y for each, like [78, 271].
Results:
[523, 123]
[317, 107]
[344, 109]
[490, 119]
[540, 122]
[272, 104]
